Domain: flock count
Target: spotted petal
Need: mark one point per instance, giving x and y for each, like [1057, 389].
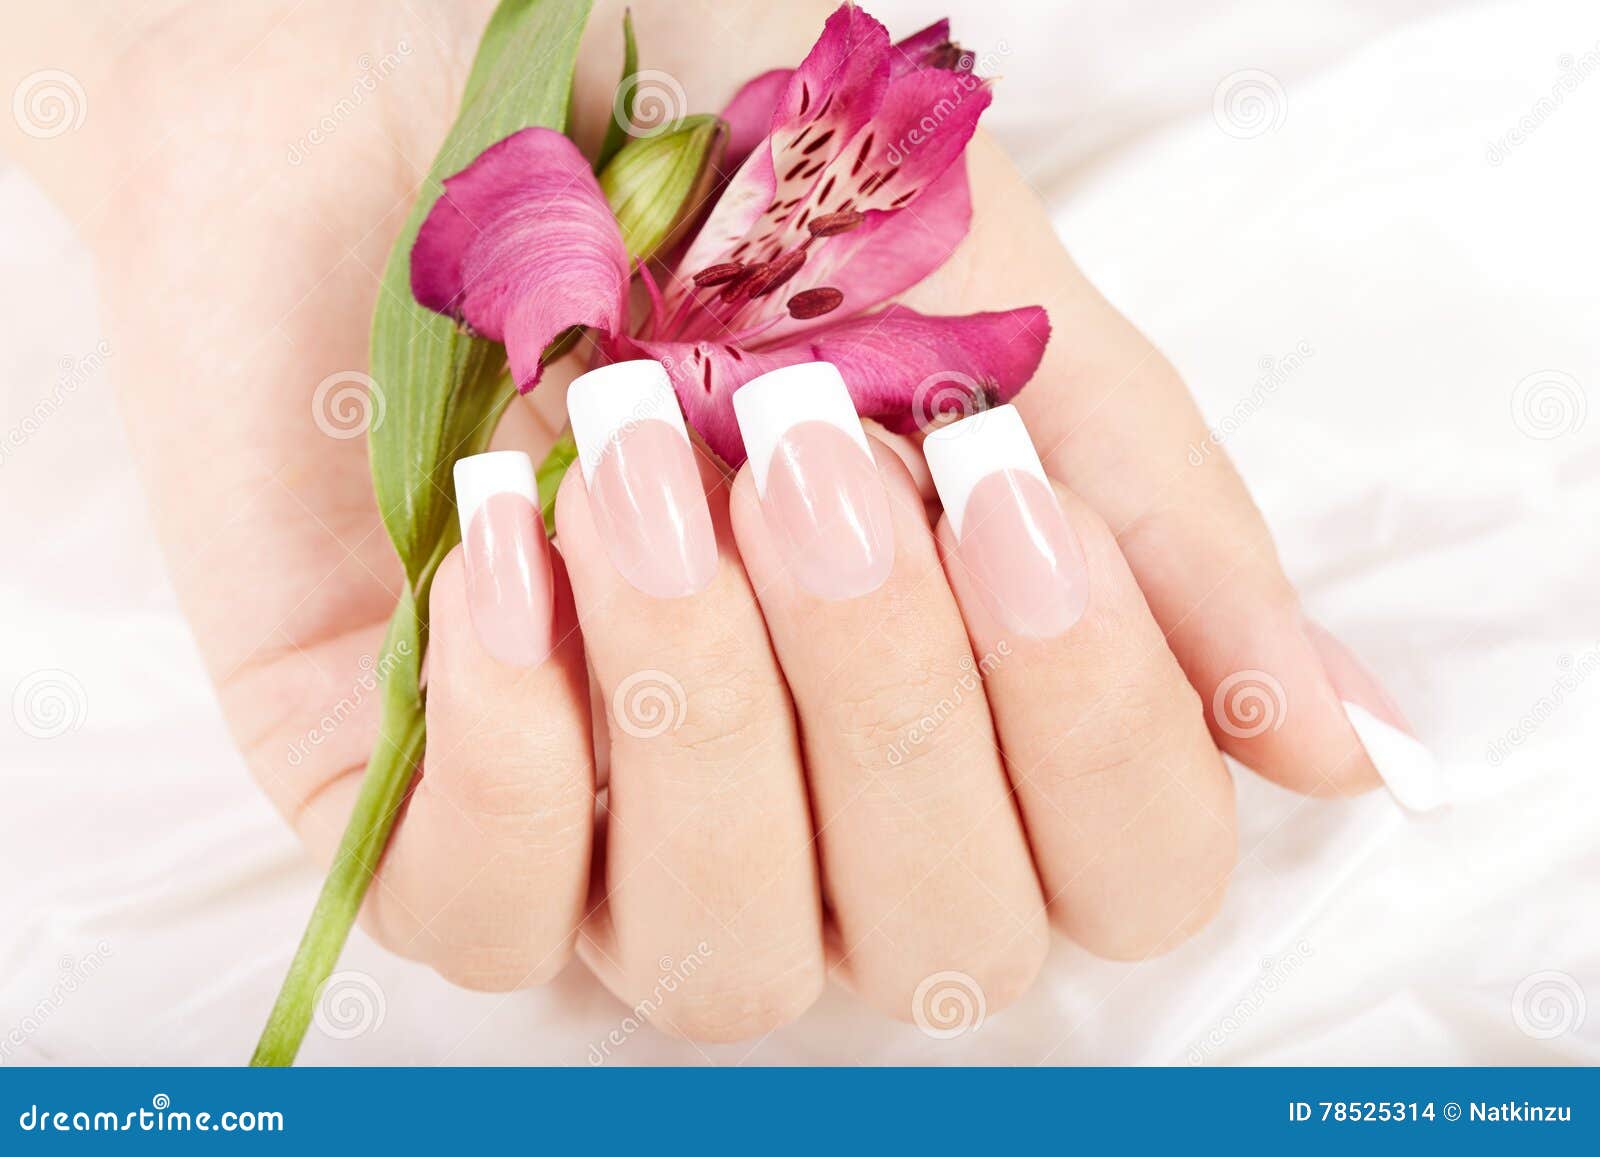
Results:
[521, 247]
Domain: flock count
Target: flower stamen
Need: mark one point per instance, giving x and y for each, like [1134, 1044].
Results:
[809, 303]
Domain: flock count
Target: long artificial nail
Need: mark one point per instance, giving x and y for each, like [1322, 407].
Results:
[509, 589]
[817, 480]
[1408, 769]
[639, 467]
[1010, 532]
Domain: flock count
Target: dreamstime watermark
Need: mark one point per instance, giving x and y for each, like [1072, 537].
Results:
[649, 703]
[1572, 673]
[49, 103]
[1249, 703]
[373, 73]
[349, 1004]
[1275, 973]
[1549, 1004]
[373, 673]
[1275, 371]
[74, 972]
[1572, 72]
[1549, 404]
[648, 103]
[74, 373]
[968, 684]
[948, 1004]
[945, 397]
[49, 703]
[969, 73]
[673, 973]
[1249, 103]
[347, 404]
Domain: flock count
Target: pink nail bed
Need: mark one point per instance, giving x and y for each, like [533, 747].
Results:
[507, 560]
[1011, 534]
[644, 488]
[817, 480]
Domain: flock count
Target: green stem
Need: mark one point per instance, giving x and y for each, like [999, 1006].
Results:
[388, 776]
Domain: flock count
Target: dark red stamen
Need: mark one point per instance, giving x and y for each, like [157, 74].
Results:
[830, 224]
[717, 274]
[809, 303]
[778, 272]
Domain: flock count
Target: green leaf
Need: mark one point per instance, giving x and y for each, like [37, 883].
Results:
[551, 471]
[438, 382]
[621, 118]
[656, 184]
[444, 391]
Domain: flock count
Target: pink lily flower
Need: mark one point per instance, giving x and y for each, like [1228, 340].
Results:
[850, 188]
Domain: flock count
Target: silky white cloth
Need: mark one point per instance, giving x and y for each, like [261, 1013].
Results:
[1366, 235]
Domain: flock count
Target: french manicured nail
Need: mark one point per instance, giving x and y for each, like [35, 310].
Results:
[509, 591]
[643, 485]
[1408, 768]
[817, 479]
[1010, 532]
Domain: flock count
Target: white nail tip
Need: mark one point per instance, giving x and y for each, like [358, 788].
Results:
[1407, 767]
[604, 404]
[964, 453]
[482, 476]
[771, 405]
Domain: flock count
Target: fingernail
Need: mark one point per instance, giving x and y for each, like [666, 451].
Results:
[1408, 768]
[817, 480]
[643, 485]
[509, 591]
[1010, 532]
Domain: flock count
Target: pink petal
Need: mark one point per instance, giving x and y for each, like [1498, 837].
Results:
[905, 368]
[522, 246]
[749, 114]
[912, 52]
[826, 100]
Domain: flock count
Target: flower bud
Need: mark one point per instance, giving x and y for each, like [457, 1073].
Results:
[656, 183]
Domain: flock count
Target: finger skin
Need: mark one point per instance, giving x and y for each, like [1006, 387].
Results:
[925, 866]
[486, 874]
[711, 923]
[1114, 422]
[1128, 807]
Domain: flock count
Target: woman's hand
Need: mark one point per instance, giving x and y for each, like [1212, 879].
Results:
[1078, 784]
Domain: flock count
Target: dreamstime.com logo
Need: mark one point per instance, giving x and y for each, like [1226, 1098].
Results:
[74, 973]
[1275, 973]
[75, 373]
[373, 673]
[649, 703]
[967, 684]
[159, 1117]
[655, 100]
[49, 103]
[373, 73]
[672, 976]
[1249, 703]
[948, 1004]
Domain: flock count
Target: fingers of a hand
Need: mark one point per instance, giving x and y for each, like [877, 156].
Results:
[1114, 422]
[709, 875]
[1128, 807]
[486, 875]
[925, 863]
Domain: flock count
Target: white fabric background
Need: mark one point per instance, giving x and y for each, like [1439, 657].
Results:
[1424, 523]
